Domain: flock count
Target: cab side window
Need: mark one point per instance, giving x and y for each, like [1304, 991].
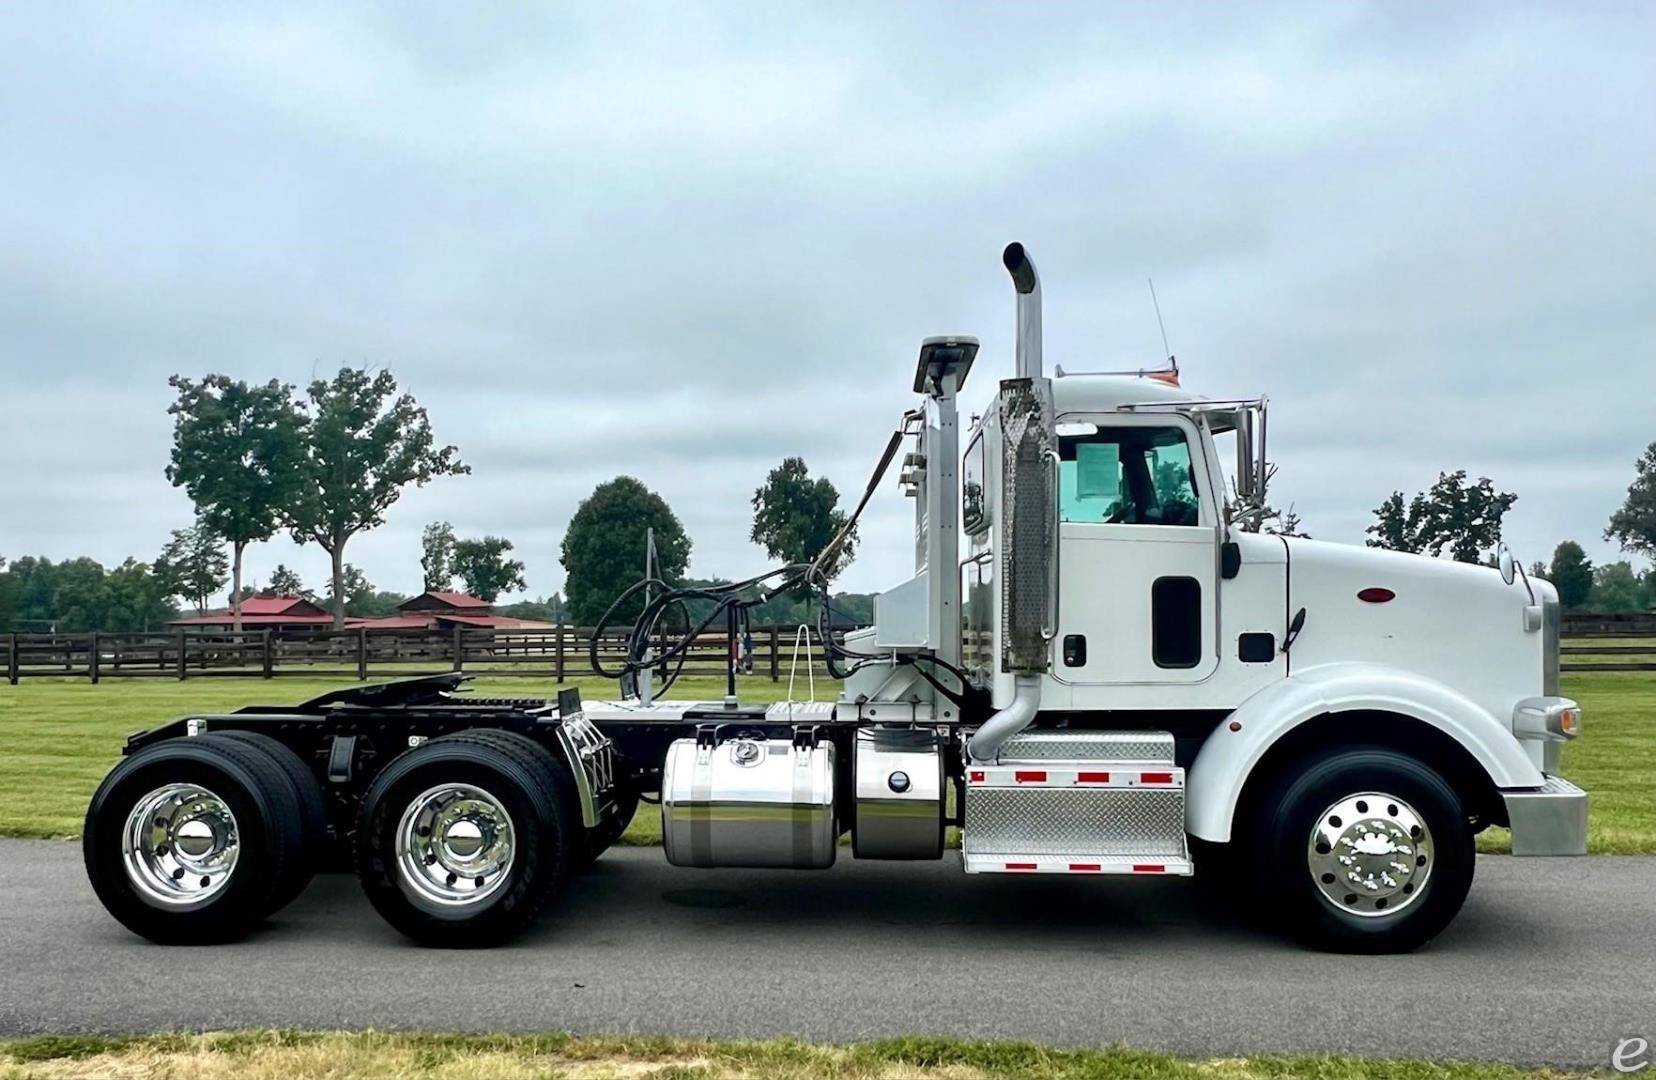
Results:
[1127, 476]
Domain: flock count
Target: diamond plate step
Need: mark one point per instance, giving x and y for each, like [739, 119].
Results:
[1149, 865]
[1066, 745]
[1064, 816]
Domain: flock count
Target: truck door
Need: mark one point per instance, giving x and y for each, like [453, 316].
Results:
[1137, 554]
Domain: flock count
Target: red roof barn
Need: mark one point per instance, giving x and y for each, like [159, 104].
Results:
[262, 612]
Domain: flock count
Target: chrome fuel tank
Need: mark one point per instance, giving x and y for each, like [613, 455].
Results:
[749, 802]
[900, 794]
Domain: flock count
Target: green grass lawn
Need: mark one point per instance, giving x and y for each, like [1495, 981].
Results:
[268, 1055]
[59, 736]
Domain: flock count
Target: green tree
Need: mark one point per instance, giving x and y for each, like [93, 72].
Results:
[1453, 515]
[193, 565]
[1634, 525]
[1571, 573]
[485, 569]
[795, 517]
[603, 549]
[1395, 527]
[545, 609]
[236, 450]
[437, 556]
[134, 599]
[364, 443]
[360, 599]
[8, 597]
[1617, 588]
[79, 595]
[285, 582]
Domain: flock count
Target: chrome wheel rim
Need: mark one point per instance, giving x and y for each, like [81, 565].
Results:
[180, 846]
[1370, 854]
[455, 846]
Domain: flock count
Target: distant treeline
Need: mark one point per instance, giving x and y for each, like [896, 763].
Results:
[75, 596]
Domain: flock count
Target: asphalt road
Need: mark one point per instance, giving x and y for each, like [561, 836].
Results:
[1551, 961]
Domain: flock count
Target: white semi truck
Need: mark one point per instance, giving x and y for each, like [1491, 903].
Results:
[1094, 670]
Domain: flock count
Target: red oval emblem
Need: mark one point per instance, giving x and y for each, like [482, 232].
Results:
[1375, 595]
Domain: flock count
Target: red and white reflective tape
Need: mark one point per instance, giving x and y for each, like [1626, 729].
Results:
[1116, 776]
[1083, 868]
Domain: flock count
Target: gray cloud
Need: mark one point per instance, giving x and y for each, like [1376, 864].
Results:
[683, 242]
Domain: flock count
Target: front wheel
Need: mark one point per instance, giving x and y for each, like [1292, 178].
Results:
[1364, 850]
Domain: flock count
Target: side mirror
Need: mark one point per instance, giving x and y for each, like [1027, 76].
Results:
[1503, 558]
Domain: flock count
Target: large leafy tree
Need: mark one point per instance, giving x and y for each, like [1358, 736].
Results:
[1461, 518]
[237, 451]
[485, 568]
[364, 443]
[134, 598]
[1634, 525]
[79, 595]
[286, 582]
[360, 599]
[193, 565]
[603, 550]
[1617, 588]
[795, 517]
[1571, 573]
[437, 556]
[8, 597]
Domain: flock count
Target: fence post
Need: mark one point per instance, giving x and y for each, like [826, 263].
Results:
[11, 659]
[776, 659]
[362, 654]
[269, 660]
[92, 658]
[559, 650]
[183, 649]
[459, 647]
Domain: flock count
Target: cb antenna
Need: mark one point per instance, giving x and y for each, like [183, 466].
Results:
[1166, 349]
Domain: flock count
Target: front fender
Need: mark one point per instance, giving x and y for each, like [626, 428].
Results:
[1215, 779]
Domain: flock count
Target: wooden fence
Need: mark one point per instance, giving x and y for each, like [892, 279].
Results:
[559, 653]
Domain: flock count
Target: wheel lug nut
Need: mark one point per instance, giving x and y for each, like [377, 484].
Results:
[161, 849]
[178, 875]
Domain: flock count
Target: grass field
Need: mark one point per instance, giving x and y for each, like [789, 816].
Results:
[59, 736]
[257, 1055]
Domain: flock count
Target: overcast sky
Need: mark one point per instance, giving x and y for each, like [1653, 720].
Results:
[682, 243]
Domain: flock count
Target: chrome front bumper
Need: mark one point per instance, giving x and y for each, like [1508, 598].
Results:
[1548, 820]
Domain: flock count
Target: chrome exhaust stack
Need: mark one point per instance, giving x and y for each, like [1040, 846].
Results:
[1029, 521]
[1028, 284]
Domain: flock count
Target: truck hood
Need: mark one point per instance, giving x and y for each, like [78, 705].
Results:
[1457, 623]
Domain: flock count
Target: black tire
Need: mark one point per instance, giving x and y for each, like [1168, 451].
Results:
[601, 838]
[535, 792]
[313, 813]
[1282, 836]
[269, 828]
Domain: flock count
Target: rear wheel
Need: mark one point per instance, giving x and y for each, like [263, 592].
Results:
[186, 841]
[313, 812]
[1364, 850]
[462, 840]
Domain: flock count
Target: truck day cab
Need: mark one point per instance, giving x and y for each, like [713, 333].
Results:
[1093, 670]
